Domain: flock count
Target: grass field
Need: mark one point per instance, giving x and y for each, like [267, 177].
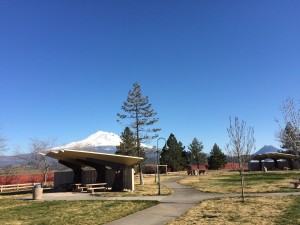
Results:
[13, 212]
[256, 210]
[256, 182]
[150, 188]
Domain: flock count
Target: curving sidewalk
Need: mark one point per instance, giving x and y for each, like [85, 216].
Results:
[170, 207]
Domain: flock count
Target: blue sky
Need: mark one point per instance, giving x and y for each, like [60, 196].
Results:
[66, 66]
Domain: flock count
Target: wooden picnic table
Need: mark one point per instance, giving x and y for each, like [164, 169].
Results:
[96, 186]
[78, 187]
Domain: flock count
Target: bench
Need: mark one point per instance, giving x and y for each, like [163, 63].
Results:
[92, 190]
[97, 186]
[16, 187]
[296, 184]
[81, 188]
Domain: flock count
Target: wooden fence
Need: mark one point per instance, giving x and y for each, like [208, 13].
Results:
[16, 187]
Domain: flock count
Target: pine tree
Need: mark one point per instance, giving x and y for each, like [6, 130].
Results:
[217, 158]
[127, 145]
[174, 157]
[196, 148]
[289, 140]
[141, 117]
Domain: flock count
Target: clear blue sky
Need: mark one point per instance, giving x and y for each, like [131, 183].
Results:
[67, 66]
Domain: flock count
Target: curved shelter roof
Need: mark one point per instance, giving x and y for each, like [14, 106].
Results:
[84, 158]
[274, 155]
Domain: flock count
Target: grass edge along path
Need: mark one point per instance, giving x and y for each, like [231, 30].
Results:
[292, 213]
[67, 212]
[256, 182]
[256, 210]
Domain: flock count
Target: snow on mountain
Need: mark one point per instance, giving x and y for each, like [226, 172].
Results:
[98, 139]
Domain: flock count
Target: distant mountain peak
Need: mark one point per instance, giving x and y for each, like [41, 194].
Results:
[98, 139]
[267, 149]
[102, 138]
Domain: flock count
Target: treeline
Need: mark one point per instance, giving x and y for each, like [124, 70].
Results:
[174, 154]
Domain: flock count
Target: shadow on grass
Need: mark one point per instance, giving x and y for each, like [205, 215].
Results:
[292, 214]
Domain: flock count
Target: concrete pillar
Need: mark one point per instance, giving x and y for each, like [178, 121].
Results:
[260, 165]
[291, 163]
[118, 184]
[128, 179]
[275, 163]
[76, 169]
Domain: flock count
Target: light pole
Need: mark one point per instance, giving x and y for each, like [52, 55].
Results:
[158, 161]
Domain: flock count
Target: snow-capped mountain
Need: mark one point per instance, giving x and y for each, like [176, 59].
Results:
[100, 141]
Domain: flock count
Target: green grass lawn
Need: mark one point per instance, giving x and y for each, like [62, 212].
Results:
[256, 182]
[256, 210]
[67, 212]
[292, 214]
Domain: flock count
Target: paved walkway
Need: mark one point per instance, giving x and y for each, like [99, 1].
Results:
[170, 207]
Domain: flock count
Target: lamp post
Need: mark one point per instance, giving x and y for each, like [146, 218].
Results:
[158, 161]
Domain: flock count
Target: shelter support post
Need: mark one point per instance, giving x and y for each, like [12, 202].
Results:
[291, 164]
[275, 163]
[100, 169]
[76, 169]
[260, 165]
[118, 184]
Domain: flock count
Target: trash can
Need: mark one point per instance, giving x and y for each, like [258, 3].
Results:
[37, 192]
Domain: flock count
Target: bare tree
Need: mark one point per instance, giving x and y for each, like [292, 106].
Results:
[289, 135]
[241, 145]
[2, 144]
[37, 157]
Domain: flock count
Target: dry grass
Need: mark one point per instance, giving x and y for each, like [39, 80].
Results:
[150, 188]
[14, 212]
[256, 182]
[256, 210]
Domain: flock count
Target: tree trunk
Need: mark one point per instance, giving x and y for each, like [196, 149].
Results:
[141, 174]
[242, 185]
[45, 178]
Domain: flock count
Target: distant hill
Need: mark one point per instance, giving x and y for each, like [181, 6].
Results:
[10, 160]
[101, 141]
[267, 149]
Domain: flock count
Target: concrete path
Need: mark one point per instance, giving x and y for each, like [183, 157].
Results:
[170, 207]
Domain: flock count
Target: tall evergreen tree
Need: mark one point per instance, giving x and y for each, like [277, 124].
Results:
[140, 117]
[217, 158]
[127, 145]
[196, 148]
[174, 156]
[288, 138]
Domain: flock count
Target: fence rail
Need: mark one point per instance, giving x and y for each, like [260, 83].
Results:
[17, 187]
